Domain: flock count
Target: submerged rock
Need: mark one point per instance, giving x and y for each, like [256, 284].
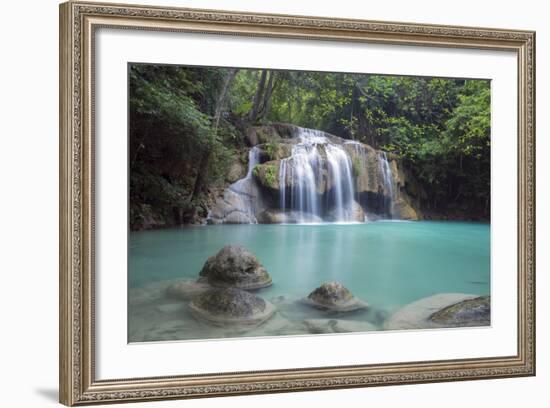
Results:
[235, 266]
[231, 306]
[471, 312]
[334, 297]
[441, 310]
[326, 326]
[186, 289]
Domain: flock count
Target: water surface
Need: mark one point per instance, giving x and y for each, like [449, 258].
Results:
[388, 263]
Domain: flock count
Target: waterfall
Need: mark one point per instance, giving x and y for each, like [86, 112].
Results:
[243, 196]
[387, 178]
[315, 161]
[324, 178]
[361, 157]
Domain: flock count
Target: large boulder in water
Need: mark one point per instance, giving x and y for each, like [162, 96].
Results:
[470, 312]
[231, 306]
[334, 297]
[442, 310]
[235, 266]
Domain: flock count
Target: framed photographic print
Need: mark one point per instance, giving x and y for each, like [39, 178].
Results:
[256, 203]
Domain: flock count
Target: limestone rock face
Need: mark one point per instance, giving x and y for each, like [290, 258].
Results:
[471, 312]
[231, 306]
[355, 213]
[237, 170]
[334, 297]
[275, 150]
[235, 266]
[403, 210]
[233, 207]
[274, 132]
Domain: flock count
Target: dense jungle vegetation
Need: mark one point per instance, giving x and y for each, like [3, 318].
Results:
[188, 123]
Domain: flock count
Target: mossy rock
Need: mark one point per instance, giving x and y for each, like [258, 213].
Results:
[235, 266]
[275, 151]
[334, 297]
[267, 174]
[231, 306]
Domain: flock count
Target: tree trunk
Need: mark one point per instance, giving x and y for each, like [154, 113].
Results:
[266, 103]
[232, 73]
[258, 97]
[205, 158]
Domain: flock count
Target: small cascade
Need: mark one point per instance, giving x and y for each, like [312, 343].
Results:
[360, 165]
[387, 178]
[316, 162]
[243, 195]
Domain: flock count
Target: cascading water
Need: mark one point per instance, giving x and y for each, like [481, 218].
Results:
[387, 177]
[243, 195]
[361, 157]
[316, 161]
[324, 179]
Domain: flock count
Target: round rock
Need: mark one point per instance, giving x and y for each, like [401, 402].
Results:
[470, 312]
[231, 306]
[334, 297]
[433, 312]
[235, 266]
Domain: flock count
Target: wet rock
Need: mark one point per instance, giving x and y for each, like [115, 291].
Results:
[237, 171]
[327, 326]
[471, 312]
[235, 266]
[231, 306]
[334, 297]
[233, 207]
[287, 217]
[238, 217]
[267, 175]
[275, 151]
[355, 213]
[418, 315]
[403, 210]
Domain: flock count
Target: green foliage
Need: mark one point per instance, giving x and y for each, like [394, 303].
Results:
[271, 176]
[267, 174]
[439, 127]
[270, 148]
[171, 133]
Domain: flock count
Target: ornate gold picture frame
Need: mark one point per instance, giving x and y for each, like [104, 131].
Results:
[78, 24]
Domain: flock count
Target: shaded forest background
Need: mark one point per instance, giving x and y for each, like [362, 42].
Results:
[187, 125]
